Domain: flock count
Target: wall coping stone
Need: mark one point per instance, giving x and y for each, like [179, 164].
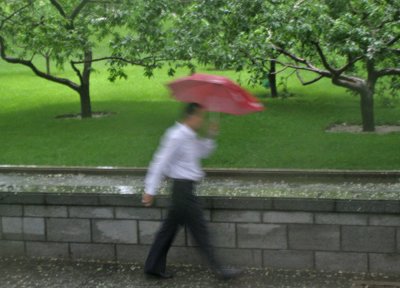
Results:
[217, 202]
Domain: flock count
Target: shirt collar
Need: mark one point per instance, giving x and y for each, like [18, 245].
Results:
[186, 129]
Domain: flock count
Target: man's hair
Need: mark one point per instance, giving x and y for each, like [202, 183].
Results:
[191, 109]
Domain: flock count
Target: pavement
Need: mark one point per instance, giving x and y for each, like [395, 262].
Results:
[49, 273]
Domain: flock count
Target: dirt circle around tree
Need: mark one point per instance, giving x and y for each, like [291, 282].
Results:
[99, 114]
[357, 129]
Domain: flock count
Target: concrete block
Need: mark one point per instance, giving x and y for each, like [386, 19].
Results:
[288, 259]
[384, 220]
[47, 249]
[12, 248]
[206, 214]
[341, 218]
[149, 229]
[162, 201]
[236, 216]
[138, 213]
[68, 230]
[91, 212]
[311, 205]
[10, 210]
[186, 255]
[239, 257]
[71, 199]
[238, 203]
[206, 202]
[115, 231]
[92, 251]
[385, 263]
[132, 253]
[221, 235]
[45, 211]
[22, 198]
[398, 240]
[368, 206]
[368, 239]
[314, 237]
[267, 236]
[339, 261]
[120, 200]
[287, 217]
[33, 228]
[12, 228]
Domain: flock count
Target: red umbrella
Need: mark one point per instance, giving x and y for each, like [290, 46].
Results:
[215, 93]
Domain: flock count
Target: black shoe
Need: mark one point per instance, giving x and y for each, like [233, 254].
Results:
[228, 273]
[162, 275]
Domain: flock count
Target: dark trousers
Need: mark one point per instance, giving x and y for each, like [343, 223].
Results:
[185, 210]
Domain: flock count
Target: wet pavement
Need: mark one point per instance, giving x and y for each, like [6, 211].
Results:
[52, 273]
[211, 186]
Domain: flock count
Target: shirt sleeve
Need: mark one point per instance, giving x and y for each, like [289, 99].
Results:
[206, 146]
[159, 164]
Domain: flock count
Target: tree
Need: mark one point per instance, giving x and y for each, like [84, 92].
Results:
[355, 43]
[67, 32]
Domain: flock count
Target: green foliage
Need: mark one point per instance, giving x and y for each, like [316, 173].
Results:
[134, 31]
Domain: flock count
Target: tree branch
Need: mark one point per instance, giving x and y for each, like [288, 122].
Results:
[395, 51]
[393, 40]
[140, 62]
[279, 71]
[340, 80]
[337, 76]
[297, 59]
[3, 21]
[78, 9]
[304, 83]
[323, 58]
[39, 73]
[59, 8]
[388, 72]
[357, 86]
[304, 68]
[348, 65]
[77, 71]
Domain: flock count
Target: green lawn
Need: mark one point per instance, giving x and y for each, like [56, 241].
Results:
[289, 134]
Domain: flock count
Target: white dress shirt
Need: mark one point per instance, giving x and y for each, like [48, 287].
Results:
[178, 156]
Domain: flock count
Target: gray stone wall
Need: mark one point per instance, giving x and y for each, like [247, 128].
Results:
[331, 235]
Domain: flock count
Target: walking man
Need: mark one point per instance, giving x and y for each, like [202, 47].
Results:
[178, 157]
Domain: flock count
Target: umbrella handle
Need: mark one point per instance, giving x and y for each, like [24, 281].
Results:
[213, 118]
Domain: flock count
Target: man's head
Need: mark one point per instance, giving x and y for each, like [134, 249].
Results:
[193, 115]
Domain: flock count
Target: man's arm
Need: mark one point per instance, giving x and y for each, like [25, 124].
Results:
[157, 168]
[207, 145]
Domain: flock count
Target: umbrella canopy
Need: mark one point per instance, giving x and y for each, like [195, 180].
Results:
[215, 93]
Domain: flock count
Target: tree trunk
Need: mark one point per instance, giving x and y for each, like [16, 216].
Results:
[86, 107]
[47, 57]
[84, 91]
[272, 79]
[367, 110]
[367, 98]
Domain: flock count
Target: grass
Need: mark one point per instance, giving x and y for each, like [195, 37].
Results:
[289, 134]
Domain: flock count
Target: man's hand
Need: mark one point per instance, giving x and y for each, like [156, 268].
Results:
[147, 199]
